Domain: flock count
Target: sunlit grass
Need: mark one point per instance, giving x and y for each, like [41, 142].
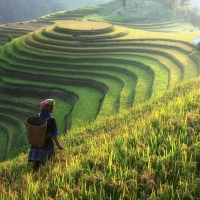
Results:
[153, 148]
[81, 25]
[180, 36]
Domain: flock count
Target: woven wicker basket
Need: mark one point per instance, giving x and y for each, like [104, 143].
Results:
[36, 130]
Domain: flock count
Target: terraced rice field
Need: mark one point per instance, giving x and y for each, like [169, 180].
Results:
[13, 32]
[92, 69]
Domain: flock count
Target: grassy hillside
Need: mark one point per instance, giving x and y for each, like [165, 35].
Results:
[92, 69]
[148, 152]
[129, 97]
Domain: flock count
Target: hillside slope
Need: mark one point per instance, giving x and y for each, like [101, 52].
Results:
[151, 151]
[86, 64]
[147, 151]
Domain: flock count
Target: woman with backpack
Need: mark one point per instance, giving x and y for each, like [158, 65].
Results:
[39, 155]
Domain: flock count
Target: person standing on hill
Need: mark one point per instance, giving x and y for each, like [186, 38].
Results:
[39, 155]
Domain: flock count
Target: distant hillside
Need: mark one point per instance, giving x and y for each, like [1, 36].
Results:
[23, 10]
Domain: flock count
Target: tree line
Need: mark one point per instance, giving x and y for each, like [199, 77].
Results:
[23, 10]
[180, 6]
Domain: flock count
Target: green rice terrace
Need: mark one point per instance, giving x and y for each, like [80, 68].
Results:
[127, 107]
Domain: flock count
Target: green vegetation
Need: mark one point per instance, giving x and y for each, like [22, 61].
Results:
[126, 105]
[145, 15]
[95, 65]
[149, 151]
[7, 34]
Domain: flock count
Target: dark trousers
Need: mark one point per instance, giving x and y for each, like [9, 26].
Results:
[36, 166]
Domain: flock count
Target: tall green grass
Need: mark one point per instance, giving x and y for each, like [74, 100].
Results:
[151, 151]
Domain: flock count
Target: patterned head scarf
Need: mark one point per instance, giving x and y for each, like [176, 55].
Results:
[46, 106]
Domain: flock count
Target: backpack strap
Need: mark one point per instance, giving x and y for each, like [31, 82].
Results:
[46, 119]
